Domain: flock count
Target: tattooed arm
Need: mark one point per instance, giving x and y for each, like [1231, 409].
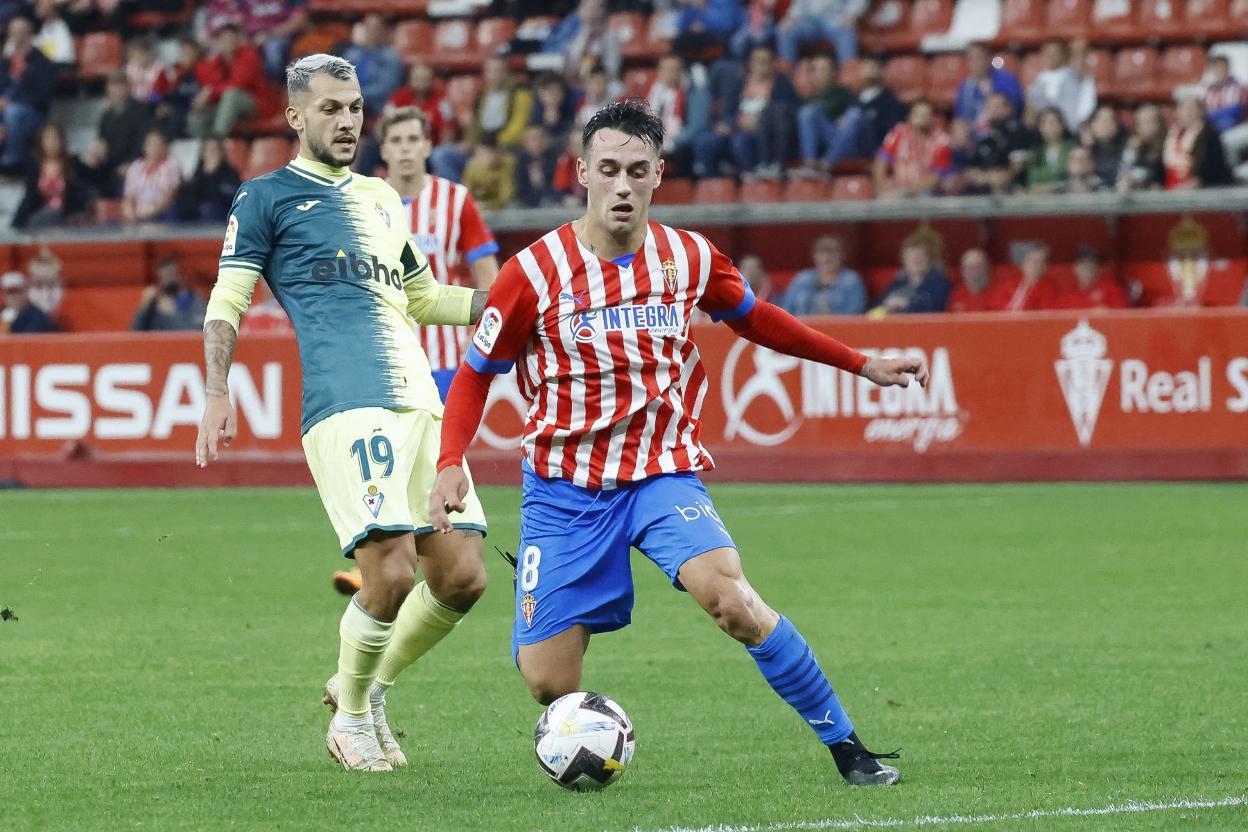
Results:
[219, 420]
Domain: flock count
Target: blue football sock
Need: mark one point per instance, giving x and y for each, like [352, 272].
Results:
[789, 666]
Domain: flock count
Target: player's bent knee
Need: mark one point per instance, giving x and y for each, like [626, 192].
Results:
[546, 689]
[736, 616]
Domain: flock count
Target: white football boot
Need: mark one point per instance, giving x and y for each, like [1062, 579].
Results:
[381, 728]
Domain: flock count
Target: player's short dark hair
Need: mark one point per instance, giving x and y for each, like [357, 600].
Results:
[631, 116]
[401, 115]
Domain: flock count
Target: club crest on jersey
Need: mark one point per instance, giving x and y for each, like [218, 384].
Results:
[383, 213]
[373, 499]
[528, 605]
[670, 275]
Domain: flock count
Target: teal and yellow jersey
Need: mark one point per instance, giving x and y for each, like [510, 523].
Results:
[335, 249]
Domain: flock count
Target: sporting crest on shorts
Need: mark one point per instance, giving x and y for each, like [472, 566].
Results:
[528, 605]
[670, 275]
[383, 213]
[373, 499]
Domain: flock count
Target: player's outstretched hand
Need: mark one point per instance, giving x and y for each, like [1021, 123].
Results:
[889, 371]
[448, 495]
[218, 424]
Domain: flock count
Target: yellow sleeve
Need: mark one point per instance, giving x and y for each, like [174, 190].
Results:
[428, 301]
[231, 295]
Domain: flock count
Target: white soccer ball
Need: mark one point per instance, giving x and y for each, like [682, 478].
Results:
[584, 741]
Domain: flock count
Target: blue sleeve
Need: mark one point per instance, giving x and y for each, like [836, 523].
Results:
[483, 365]
[743, 307]
[483, 250]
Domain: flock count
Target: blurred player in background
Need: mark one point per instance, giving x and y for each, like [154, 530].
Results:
[448, 229]
[336, 251]
[597, 315]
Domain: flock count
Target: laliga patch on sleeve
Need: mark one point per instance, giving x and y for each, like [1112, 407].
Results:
[231, 236]
[490, 328]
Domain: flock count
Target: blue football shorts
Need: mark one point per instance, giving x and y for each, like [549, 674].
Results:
[573, 563]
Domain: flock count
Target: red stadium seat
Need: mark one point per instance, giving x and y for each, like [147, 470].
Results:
[637, 82]
[1212, 20]
[1100, 65]
[1068, 18]
[274, 125]
[760, 190]
[1163, 19]
[99, 54]
[162, 20]
[413, 39]
[1182, 65]
[884, 20]
[906, 75]
[674, 191]
[807, 190]
[853, 188]
[638, 40]
[715, 192]
[1022, 23]
[1114, 21]
[927, 17]
[267, 154]
[454, 46]
[945, 73]
[494, 33]
[1135, 73]
[321, 39]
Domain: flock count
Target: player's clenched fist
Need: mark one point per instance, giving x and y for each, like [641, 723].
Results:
[887, 372]
[219, 423]
[447, 496]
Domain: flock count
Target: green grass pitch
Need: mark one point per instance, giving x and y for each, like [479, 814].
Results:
[1030, 647]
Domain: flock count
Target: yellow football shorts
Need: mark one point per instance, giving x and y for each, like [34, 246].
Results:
[374, 469]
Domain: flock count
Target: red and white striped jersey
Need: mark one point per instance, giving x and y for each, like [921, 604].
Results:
[449, 231]
[614, 383]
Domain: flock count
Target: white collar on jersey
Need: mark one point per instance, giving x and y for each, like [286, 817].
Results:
[320, 172]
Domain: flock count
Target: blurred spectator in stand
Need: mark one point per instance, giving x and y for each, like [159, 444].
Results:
[597, 94]
[829, 125]
[1226, 101]
[759, 28]
[982, 80]
[142, 69]
[972, 293]
[123, 122]
[914, 156]
[490, 175]
[920, 286]
[1194, 156]
[1092, 289]
[377, 65]
[811, 21]
[176, 88]
[961, 157]
[1046, 167]
[170, 305]
[535, 170]
[47, 289]
[758, 127]
[828, 287]
[215, 15]
[566, 184]
[273, 25]
[881, 109]
[20, 316]
[26, 82]
[554, 110]
[1143, 156]
[151, 183]
[582, 38]
[422, 92]
[234, 87]
[703, 25]
[54, 38]
[1002, 149]
[265, 315]
[685, 109]
[502, 108]
[1063, 84]
[755, 274]
[55, 192]
[1081, 176]
[1105, 138]
[209, 193]
[100, 179]
[1031, 289]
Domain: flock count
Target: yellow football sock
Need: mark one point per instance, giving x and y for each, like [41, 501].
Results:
[422, 622]
[364, 641]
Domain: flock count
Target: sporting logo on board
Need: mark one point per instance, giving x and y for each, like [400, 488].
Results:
[1084, 372]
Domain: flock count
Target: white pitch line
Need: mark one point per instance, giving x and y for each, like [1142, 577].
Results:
[1133, 807]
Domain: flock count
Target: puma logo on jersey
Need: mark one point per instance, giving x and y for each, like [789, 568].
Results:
[307, 206]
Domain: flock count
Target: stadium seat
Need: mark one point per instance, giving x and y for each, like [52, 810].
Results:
[974, 21]
[884, 20]
[1181, 65]
[806, 190]
[906, 75]
[454, 47]
[638, 40]
[1113, 22]
[1213, 20]
[99, 54]
[637, 82]
[413, 39]
[1100, 65]
[944, 74]
[1022, 23]
[715, 192]
[1135, 73]
[674, 191]
[493, 33]
[141, 21]
[274, 125]
[323, 38]
[853, 188]
[267, 154]
[927, 17]
[1068, 18]
[461, 92]
[760, 190]
[1163, 19]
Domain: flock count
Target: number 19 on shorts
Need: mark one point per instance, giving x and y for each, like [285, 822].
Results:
[377, 449]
